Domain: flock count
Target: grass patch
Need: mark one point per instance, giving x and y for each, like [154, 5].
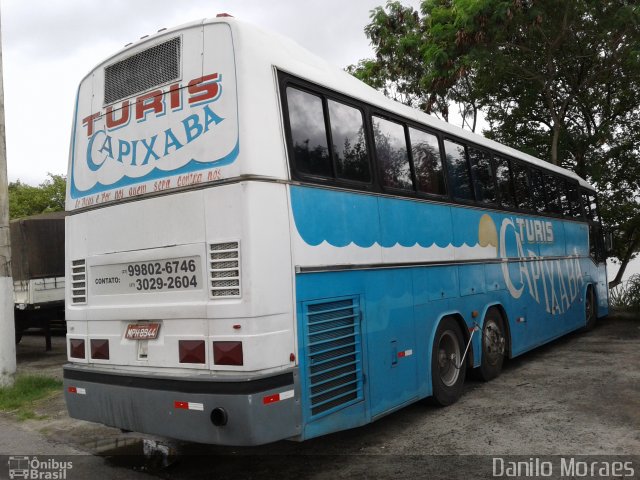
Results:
[626, 296]
[20, 399]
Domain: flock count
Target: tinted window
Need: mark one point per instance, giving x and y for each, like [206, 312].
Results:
[564, 198]
[308, 134]
[585, 206]
[503, 177]
[391, 152]
[537, 190]
[427, 162]
[521, 186]
[552, 196]
[458, 170]
[349, 146]
[483, 182]
[574, 199]
[593, 208]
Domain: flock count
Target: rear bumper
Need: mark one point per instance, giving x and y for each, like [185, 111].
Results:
[259, 410]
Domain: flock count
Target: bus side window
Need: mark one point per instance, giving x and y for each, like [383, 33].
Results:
[593, 207]
[564, 198]
[574, 200]
[505, 187]
[483, 180]
[537, 191]
[458, 170]
[308, 133]
[427, 162]
[348, 142]
[552, 194]
[522, 186]
[391, 152]
[585, 205]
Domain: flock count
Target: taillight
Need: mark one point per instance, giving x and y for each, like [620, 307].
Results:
[99, 349]
[228, 353]
[191, 351]
[76, 348]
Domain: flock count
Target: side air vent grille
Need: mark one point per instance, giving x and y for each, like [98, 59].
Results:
[140, 72]
[78, 282]
[333, 355]
[224, 270]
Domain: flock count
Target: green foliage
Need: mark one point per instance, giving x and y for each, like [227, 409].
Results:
[27, 389]
[558, 79]
[626, 295]
[26, 200]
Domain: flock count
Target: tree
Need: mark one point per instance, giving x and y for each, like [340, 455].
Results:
[559, 79]
[26, 200]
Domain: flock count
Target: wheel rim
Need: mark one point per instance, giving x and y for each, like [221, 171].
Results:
[493, 342]
[448, 358]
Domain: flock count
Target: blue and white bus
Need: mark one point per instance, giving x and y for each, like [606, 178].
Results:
[261, 247]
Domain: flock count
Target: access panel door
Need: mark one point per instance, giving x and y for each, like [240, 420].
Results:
[391, 344]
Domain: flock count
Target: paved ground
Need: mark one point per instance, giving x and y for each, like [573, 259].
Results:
[577, 396]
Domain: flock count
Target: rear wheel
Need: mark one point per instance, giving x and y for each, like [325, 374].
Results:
[590, 310]
[493, 345]
[447, 368]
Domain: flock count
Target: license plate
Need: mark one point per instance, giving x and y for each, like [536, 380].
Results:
[142, 331]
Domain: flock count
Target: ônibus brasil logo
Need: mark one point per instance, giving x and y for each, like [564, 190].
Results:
[36, 469]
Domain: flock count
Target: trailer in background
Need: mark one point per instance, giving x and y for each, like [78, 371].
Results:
[37, 266]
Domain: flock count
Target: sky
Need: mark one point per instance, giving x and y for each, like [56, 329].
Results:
[48, 46]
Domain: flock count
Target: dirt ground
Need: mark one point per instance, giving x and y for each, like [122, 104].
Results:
[579, 395]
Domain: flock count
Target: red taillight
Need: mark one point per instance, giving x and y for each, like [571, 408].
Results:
[223, 15]
[99, 349]
[191, 351]
[76, 348]
[228, 353]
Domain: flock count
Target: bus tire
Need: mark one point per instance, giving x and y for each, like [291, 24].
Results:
[447, 368]
[493, 345]
[590, 310]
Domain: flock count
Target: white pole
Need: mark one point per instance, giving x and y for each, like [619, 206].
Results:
[7, 327]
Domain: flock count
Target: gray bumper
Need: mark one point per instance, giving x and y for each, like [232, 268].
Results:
[259, 410]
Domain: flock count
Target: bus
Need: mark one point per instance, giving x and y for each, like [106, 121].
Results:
[261, 247]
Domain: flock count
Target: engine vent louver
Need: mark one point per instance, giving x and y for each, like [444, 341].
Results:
[150, 68]
[78, 282]
[224, 270]
[333, 355]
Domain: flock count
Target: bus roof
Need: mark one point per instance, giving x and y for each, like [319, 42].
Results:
[251, 42]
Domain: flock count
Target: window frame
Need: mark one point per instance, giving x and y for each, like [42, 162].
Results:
[465, 146]
[379, 166]
[285, 81]
[497, 158]
[443, 166]
[492, 166]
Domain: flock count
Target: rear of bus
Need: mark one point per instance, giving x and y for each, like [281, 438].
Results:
[179, 282]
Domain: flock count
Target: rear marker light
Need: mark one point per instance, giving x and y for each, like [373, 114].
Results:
[191, 351]
[228, 353]
[99, 349]
[277, 397]
[78, 390]
[188, 406]
[76, 348]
